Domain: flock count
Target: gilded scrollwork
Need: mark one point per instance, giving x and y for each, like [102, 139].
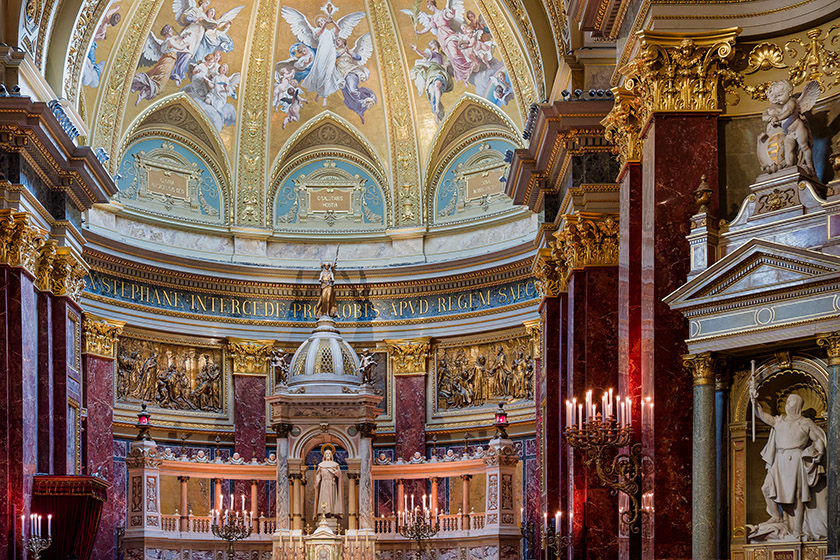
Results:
[170, 376]
[471, 375]
[408, 356]
[21, 240]
[621, 126]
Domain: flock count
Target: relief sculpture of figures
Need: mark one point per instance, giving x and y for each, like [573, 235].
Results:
[786, 141]
[462, 382]
[169, 376]
[794, 488]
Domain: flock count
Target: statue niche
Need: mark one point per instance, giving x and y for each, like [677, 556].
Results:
[786, 140]
[169, 376]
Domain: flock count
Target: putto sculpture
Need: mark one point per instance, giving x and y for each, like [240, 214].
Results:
[786, 140]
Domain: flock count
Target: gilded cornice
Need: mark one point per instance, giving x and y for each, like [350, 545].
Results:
[407, 208]
[702, 368]
[408, 356]
[680, 73]
[99, 336]
[559, 25]
[585, 241]
[20, 240]
[250, 357]
[253, 132]
[621, 126]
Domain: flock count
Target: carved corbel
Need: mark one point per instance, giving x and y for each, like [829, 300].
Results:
[588, 242]
[68, 274]
[46, 258]
[549, 270]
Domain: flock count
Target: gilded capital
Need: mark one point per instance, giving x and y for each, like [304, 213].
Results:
[702, 367]
[21, 240]
[534, 330]
[250, 357]
[621, 126]
[67, 275]
[586, 242]
[549, 272]
[99, 336]
[677, 72]
[408, 356]
[831, 343]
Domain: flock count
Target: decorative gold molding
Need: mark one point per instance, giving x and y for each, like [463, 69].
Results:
[67, 274]
[534, 329]
[408, 356]
[702, 367]
[676, 72]
[621, 126]
[586, 242]
[99, 336]
[831, 342]
[250, 357]
[21, 240]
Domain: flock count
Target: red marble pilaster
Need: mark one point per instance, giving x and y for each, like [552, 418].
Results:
[410, 422]
[46, 407]
[66, 321]
[18, 403]
[672, 169]
[249, 421]
[629, 314]
[99, 447]
[552, 372]
[592, 354]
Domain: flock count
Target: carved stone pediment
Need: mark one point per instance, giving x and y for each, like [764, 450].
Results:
[761, 292]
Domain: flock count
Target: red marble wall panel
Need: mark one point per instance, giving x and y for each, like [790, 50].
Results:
[249, 422]
[99, 447]
[672, 169]
[46, 407]
[18, 403]
[66, 383]
[630, 313]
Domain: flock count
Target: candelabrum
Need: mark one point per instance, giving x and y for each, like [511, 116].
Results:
[555, 543]
[231, 528]
[418, 525]
[602, 436]
[36, 542]
[527, 532]
[36, 545]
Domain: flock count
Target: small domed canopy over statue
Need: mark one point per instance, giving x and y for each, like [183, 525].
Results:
[786, 140]
[794, 488]
[327, 305]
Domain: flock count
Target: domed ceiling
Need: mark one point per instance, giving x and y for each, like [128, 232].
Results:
[333, 115]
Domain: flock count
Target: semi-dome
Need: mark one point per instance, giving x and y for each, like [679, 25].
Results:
[325, 362]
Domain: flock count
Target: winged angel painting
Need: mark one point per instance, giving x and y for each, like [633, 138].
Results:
[461, 51]
[321, 62]
[196, 52]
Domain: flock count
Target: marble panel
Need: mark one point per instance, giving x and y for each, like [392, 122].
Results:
[46, 443]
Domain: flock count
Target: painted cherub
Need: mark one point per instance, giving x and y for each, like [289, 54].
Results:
[786, 116]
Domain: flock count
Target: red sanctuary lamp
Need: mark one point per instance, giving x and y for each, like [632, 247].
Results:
[143, 424]
[501, 423]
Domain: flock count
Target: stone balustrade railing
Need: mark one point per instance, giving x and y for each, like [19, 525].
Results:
[201, 526]
[451, 525]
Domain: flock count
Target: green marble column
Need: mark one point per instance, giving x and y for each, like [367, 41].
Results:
[703, 465]
[831, 343]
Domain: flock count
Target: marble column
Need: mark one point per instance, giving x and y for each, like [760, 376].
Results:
[365, 478]
[282, 488]
[409, 368]
[99, 348]
[217, 493]
[629, 311]
[255, 511]
[352, 508]
[831, 343]
[434, 501]
[297, 501]
[465, 501]
[703, 467]
[184, 521]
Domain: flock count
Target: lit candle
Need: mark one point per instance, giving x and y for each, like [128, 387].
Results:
[580, 417]
[231, 501]
[23, 526]
[522, 511]
[412, 501]
[40, 524]
[629, 412]
[49, 525]
[557, 522]
[610, 400]
[621, 416]
[243, 503]
[424, 501]
[545, 522]
[568, 406]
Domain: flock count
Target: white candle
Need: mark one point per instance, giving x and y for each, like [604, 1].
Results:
[610, 400]
[629, 412]
[40, 524]
[545, 522]
[405, 506]
[522, 515]
[557, 522]
[580, 418]
[621, 416]
[243, 503]
[231, 501]
[412, 501]
[23, 526]
[49, 525]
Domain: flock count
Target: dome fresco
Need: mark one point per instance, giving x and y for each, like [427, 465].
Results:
[260, 93]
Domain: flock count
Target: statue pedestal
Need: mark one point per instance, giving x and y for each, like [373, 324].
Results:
[786, 550]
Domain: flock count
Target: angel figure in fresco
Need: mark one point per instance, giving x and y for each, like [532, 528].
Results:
[351, 67]
[207, 32]
[323, 77]
[501, 92]
[92, 70]
[786, 141]
[431, 77]
[161, 54]
[210, 87]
